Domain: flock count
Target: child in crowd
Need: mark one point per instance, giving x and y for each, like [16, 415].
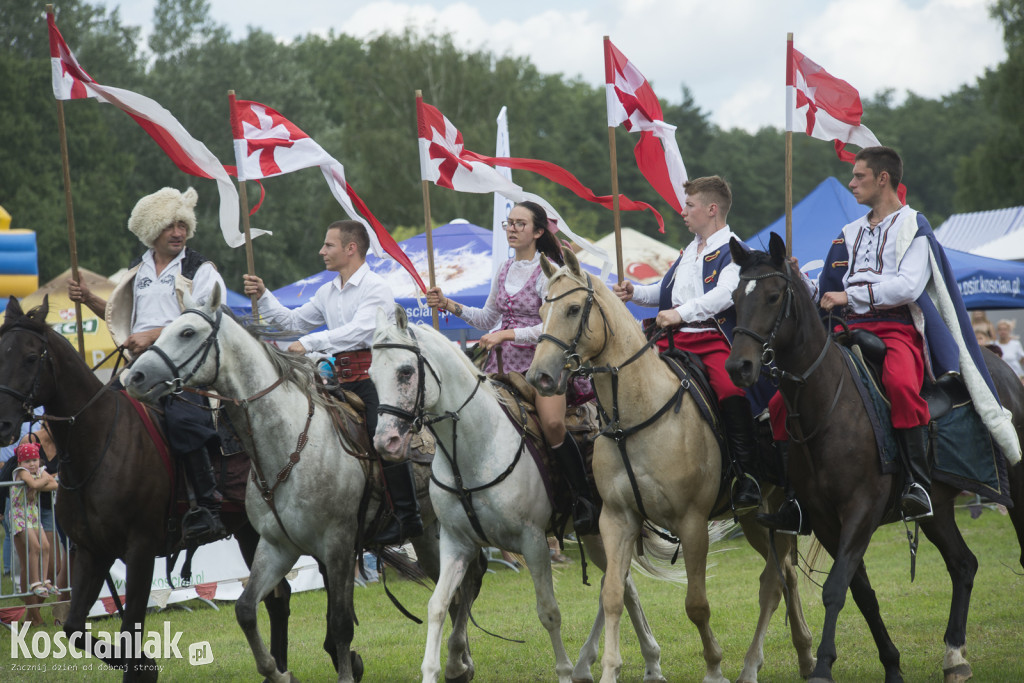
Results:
[30, 542]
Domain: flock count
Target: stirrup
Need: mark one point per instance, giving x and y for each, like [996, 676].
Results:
[751, 497]
[585, 517]
[913, 496]
[789, 519]
[200, 526]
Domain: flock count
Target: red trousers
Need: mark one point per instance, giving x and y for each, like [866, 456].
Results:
[902, 377]
[713, 349]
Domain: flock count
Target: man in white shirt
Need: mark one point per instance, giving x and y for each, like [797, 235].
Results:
[696, 293]
[141, 305]
[348, 305]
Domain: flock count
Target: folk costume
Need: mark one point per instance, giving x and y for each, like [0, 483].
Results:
[699, 286]
[901, 287]
[349, 311]
[145, 300]
[517, 292]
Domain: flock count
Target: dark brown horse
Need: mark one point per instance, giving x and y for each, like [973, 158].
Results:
[834, 463]
[115, 492]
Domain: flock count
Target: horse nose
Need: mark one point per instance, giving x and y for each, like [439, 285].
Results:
[741, 372]
[136, 378]
[543, 382]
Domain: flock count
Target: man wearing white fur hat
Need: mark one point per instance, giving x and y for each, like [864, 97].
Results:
[142, 304]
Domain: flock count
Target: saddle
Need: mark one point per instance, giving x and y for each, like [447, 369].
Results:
[580, 420]
[954, 423]
[942, 394]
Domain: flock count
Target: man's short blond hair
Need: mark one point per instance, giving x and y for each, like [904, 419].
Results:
[711, 189]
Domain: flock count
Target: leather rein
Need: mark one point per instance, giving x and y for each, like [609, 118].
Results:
[178, 384]
[799, 380]
[419, 418]
[613, 428]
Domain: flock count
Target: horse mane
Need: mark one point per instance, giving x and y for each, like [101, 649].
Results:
[293, 367]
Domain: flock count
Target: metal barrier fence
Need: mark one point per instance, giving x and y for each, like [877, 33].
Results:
[10, 585]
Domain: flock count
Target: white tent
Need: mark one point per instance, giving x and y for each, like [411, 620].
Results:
[644, 258]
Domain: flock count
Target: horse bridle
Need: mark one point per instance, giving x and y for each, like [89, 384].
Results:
[569, 353]
[768, 356]
[418, 418]
[177, 383]
[28, 401]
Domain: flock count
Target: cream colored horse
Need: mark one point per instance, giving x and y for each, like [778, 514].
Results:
[674, 460]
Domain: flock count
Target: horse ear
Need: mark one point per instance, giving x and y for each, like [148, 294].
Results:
[13, 307]
[740, 254]
[777, 249]
[182, 292]
[216, 297]
[401, 319]
[547, 267]
[39, 313]
[570, 260]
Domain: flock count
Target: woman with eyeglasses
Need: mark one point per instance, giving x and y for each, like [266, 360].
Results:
[516, 296]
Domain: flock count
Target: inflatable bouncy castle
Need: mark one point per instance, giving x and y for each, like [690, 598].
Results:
[19, 260]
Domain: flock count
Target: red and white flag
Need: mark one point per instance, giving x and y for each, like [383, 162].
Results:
[631, 101]
[823, 106]
[445, 161]
[267, 144]
[71, 82]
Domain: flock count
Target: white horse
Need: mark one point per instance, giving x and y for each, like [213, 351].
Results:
[424, 379]
[313, 474]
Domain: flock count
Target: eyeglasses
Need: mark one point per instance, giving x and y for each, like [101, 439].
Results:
[514, 225]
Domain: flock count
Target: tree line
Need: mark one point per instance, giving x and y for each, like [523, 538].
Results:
[963, 151]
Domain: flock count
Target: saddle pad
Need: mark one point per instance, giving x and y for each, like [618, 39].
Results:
[980, 469]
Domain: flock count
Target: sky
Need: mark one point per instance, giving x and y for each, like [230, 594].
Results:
[729, 53]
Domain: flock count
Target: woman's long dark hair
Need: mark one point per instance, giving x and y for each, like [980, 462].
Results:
[547, 244]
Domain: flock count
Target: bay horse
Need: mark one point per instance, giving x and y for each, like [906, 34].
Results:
[312, 493]
[485, 486]
[834, 464]
[674, 463]
[115, 492]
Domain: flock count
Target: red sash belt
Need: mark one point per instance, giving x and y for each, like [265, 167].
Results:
[352, 366]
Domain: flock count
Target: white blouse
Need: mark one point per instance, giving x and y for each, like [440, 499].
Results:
[489, 316]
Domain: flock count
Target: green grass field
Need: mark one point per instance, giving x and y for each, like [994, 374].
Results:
[392, 647]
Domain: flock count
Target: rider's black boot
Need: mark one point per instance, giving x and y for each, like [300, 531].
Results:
[790, 517]
[915, 502]
[202, 524]
[738, 425]
[570, 461]
[406, 522]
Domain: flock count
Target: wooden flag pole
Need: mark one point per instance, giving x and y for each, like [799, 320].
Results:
[243, 198]
[429, 228]
[789, 152]
[616, 219]
[69, 206]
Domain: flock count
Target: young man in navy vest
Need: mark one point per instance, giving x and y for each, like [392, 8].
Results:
[696, 296]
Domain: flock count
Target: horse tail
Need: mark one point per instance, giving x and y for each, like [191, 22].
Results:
[814, 558]
[659, 559]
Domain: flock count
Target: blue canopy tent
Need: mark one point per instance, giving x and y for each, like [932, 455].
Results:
[462, 268]
[984, 283]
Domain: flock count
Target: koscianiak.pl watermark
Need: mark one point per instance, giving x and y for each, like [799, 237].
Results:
[44, 652]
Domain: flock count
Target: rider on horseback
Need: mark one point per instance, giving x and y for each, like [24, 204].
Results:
[696, 293]
[347, 305]
[515, 299]
[143, 303]
[880, 270]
